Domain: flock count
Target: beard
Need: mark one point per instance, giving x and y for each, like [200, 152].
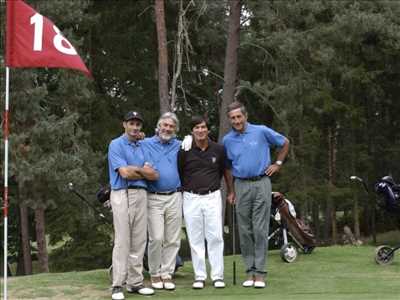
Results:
[166, 136]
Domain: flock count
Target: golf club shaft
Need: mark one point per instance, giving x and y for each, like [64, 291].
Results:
[234, 243]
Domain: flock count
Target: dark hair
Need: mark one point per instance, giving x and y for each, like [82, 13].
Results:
[196, 120]
[235, 105]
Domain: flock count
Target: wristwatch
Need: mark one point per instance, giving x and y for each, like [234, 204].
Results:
[279, 162]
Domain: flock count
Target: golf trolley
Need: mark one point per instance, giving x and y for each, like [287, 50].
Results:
[284, 214]
[389, 201]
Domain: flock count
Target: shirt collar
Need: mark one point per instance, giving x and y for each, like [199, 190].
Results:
[158, 140]
[129, 142]
[194, 145]
[246, 129]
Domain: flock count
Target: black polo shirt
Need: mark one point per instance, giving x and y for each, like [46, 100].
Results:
[201, 171]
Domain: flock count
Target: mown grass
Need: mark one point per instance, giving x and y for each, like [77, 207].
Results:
[331, 273]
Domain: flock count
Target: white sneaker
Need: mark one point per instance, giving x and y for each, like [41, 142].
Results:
[169, 285]
[117, 293]
[157, 285]
[248, 283]
[219, 284]
[259, 284]
[146, 291]
[198, 284]
[141, 289]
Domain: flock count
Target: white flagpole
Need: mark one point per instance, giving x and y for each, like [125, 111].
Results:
[5, 195]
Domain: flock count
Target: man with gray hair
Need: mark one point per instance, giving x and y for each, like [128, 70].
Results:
[164, 202]
[248, 152]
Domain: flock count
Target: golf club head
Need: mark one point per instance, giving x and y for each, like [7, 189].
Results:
[70, 186]
[356, 178]
[353, 177]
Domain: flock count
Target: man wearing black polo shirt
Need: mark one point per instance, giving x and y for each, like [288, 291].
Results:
[201, 169]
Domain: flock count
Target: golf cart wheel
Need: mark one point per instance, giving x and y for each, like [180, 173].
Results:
[288, 253]
[384, 255]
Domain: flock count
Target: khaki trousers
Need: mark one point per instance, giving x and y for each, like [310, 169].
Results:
[164, 227]
[129, 209]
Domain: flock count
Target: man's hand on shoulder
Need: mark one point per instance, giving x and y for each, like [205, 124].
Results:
[187, 143]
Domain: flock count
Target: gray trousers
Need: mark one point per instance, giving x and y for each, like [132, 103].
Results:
[253, 210]
[130, 235]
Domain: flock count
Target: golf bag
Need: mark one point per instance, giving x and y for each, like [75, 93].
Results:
[390, 194]
[283, 212]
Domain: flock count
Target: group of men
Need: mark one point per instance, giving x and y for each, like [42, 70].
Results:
[154, 180]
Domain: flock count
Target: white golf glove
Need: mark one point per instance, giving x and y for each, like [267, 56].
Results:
[187, 143]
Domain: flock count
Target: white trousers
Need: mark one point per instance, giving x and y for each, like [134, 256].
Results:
[203, 218]
[164, 227]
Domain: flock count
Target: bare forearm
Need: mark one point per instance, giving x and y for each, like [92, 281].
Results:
[283, 152]
[229, 181]
[130, 172]
[149, 173]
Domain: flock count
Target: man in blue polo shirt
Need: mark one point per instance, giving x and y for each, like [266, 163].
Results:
[164, 202]
[129, 169]
[248, 153]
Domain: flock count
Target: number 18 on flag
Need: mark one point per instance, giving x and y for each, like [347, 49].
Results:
[32, 41]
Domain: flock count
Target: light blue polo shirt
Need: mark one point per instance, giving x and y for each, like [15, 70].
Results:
[164, 157]
[122, 153]
[248, 153]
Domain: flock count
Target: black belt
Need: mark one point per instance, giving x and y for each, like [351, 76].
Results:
[136, 187]
[202, 192]
[254, 178]
[163, 193]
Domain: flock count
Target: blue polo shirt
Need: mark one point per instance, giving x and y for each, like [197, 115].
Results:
[164, 158]
[248, 153]
[122, 153]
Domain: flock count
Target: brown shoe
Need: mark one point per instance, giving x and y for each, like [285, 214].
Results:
[156, 283]
[169, 284]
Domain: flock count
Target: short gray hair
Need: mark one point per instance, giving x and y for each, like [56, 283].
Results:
[235, 105]
[168, 115]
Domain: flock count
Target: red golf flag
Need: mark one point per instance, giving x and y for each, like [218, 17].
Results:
[34, 41]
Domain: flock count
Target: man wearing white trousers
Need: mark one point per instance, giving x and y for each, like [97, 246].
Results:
[201, 169]
[164, 203]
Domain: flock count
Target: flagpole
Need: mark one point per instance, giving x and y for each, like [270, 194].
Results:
[5, 196]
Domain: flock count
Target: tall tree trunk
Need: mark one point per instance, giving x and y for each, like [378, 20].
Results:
[231, 65]
[328, 219]
[25, 241]
[356, 208]
[162, 56]
[181, 35]
[41, 240]
[332, 136]
[356, 218]
[230, 75]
